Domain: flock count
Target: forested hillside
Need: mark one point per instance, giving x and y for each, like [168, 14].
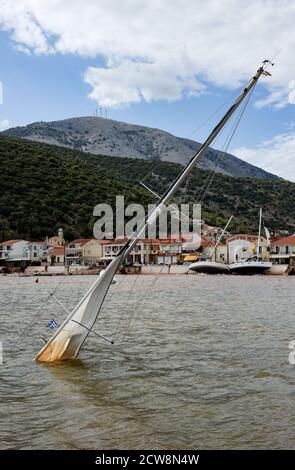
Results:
[44, 187]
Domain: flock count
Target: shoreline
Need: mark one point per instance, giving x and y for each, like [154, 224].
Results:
[144, 270]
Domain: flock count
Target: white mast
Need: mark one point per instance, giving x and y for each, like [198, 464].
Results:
[259, 232]
[68, 339]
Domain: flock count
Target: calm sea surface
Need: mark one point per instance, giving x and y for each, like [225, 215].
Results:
[200, 362]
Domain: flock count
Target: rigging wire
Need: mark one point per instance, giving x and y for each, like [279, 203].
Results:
[123, 316]
[159, 163]
[34, 316]
[231, 98]
[212, 173]
[132, 316]
[212, 115]
[210, 177]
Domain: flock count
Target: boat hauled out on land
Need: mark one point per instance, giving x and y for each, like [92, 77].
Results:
[209, 267]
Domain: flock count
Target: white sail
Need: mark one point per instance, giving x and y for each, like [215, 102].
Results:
[68, 339]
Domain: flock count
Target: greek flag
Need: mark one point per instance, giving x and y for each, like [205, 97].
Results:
[52, 324]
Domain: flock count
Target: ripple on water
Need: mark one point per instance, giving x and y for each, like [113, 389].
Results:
[205, 365]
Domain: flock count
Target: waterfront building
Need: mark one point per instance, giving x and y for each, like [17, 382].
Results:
[56, 256]
[283, 250]
[243, 246]
[15, 251]
[74, 251]
[92, 251]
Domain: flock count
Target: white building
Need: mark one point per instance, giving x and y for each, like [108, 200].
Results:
[15, 250]
[56, 256]
[38, 251]
[74, 251]
[112, 248]
[241, 247]
[162, 251]
[154, 251]
[283, 250]
[92, 251]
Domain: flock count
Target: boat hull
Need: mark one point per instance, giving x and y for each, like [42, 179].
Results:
[278, 269]
[209, 267]
[250, 267]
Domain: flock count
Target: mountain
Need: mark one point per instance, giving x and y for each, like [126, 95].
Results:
[44, 187]
[107, 137]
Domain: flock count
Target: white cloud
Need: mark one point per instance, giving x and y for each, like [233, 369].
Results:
[130, 82]
[279, 98]
[291, 96]
[161, 50]
[5, 124]
[276, 155]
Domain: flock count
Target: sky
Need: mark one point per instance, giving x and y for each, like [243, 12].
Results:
[167, 64]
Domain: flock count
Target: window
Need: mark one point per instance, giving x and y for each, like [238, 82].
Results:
[287, 249]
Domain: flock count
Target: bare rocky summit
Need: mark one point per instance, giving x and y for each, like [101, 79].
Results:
[108, 137]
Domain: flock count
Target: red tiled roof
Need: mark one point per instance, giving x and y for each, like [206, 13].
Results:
[151, 241]
[54, 245]
[290, 240]
[10, 242]
[38, 243]
[161, 241]
[100, 242]
[57, 252]
[80, 241]
[114, 242]
[250, 238]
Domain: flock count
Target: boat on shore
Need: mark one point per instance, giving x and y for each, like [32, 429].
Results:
[278, 270]
[253, 265]
[209, 267]
[250, 266]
